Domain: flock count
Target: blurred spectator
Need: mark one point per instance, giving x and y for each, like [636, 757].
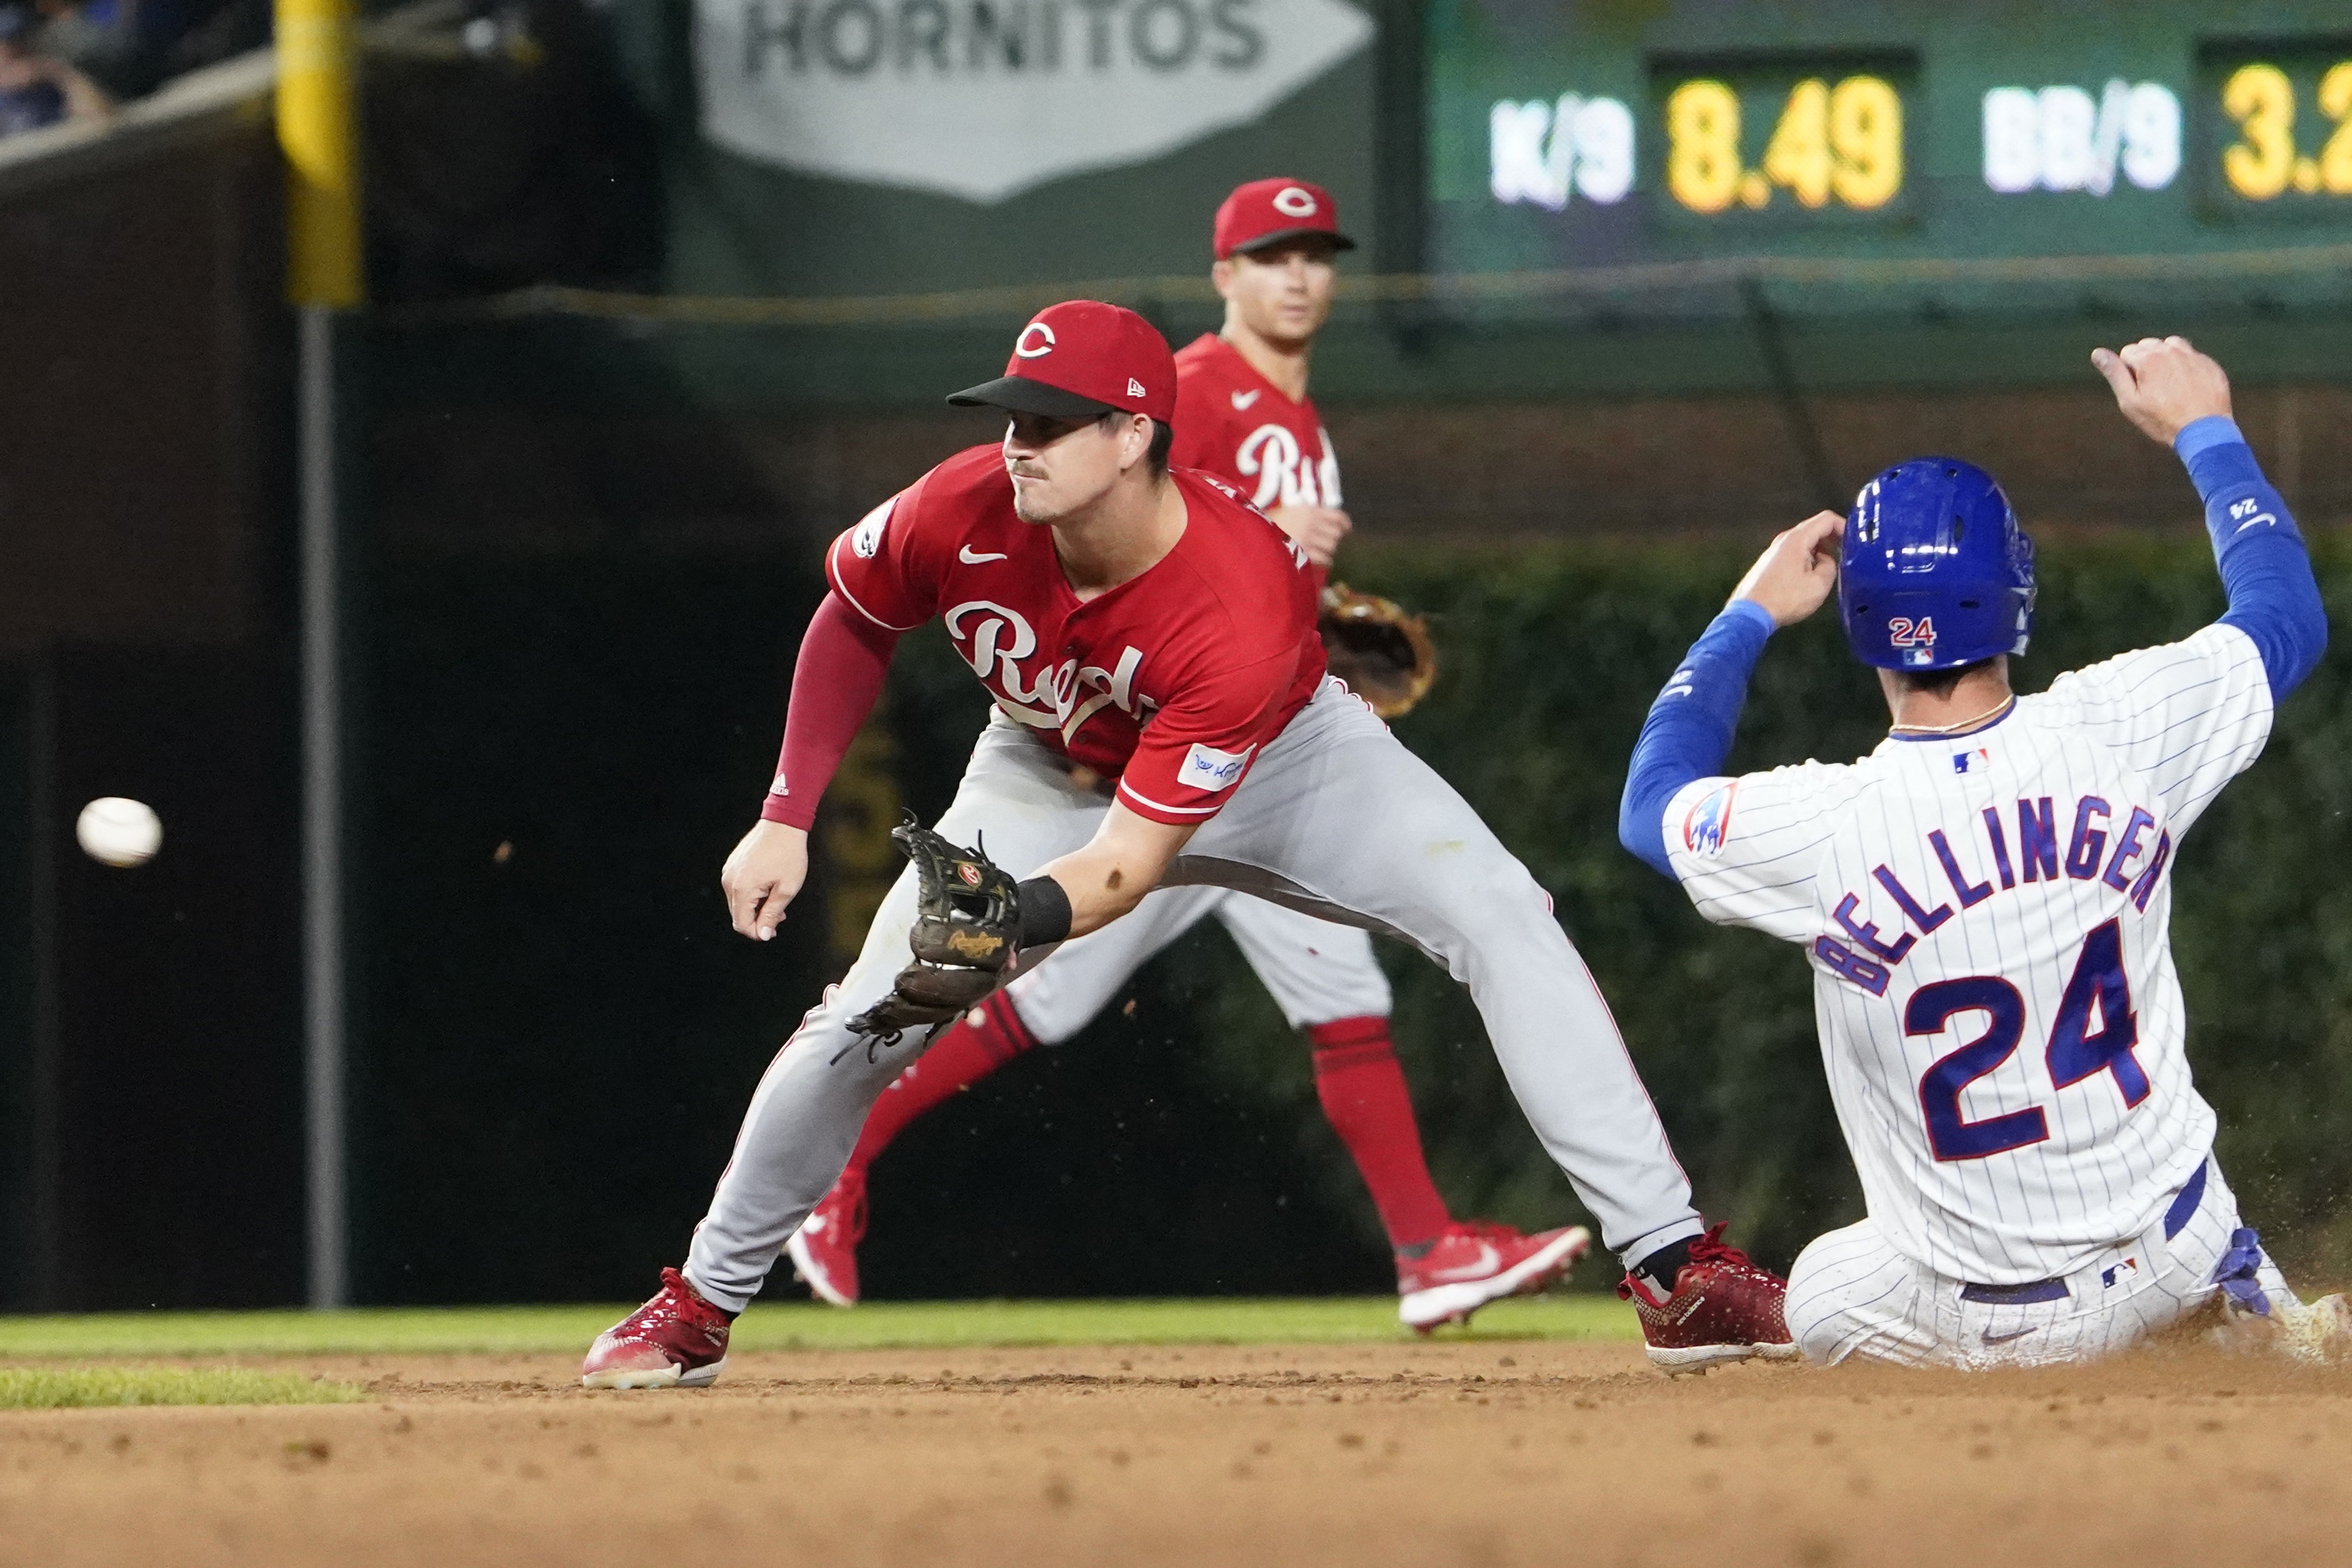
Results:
[130, 48]
[36, 88]
[97, 37]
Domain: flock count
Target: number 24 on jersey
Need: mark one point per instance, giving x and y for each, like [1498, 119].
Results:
[2094, 1033]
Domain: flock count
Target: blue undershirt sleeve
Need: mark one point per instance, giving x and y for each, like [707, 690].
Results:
[2265, 568]
[1689, 730]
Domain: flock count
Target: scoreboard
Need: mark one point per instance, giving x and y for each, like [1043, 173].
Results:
[1613, 136]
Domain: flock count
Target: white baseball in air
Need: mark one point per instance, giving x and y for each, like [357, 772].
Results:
[119, 832]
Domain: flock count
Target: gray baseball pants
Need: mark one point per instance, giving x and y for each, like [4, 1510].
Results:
[1336, 819]
[1316, 972]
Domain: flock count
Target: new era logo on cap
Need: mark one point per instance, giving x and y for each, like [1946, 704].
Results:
[1080, 358]
[1265, 212]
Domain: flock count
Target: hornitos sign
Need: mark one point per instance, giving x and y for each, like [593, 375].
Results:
[984, 99]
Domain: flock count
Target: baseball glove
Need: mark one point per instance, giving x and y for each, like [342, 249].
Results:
[1384, 654]
[965, 938]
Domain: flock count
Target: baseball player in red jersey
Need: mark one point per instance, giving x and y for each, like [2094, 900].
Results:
[1149, 627]
[1241, 413]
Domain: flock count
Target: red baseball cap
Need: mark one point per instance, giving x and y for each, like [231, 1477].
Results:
[1082, 358]
[1266, 211]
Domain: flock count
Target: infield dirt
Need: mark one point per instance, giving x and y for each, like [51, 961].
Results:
[1470, 1454]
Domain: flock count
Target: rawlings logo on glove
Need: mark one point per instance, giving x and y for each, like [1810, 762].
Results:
[964, 940]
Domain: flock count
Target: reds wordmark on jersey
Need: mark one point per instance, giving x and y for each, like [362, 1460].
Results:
[1169, 682]
[1988, 918]
[1233, 421]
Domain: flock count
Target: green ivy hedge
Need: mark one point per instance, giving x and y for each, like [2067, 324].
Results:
[1551, 659]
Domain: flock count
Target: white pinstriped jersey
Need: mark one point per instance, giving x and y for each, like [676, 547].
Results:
[1987, 919]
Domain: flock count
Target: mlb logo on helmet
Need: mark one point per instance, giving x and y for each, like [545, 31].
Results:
[1079, 359]
[1267, 212]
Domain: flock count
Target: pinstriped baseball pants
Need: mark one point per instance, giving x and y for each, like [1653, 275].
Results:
[1852, 1297]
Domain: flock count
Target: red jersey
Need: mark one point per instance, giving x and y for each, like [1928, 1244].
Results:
[1169, 682]
[1233, 422]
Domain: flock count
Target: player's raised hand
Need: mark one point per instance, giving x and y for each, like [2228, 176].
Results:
[1317, 529]
[1797, 570]
[2164, 384]
[762, 875]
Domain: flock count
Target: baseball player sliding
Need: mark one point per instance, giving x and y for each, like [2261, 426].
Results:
[1985, 902]
[1147, 625]
[1241, 413]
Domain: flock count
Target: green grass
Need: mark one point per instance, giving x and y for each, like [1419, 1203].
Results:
[887, 1325]
[75, 1388]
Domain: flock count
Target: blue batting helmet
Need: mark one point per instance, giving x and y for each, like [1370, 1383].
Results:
[1934, 571]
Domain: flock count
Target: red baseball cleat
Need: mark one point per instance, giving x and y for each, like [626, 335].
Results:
[825, 1249]
[677, 1339]
[1723, 1308]
[1470, 1265]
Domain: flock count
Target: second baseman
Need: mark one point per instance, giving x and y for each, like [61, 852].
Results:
[1147, 624]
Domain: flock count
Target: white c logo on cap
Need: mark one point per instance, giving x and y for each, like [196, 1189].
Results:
[1292, 201]
[1021, 345]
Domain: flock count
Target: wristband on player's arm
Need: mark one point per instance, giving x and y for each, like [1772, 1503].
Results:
[1689, 732]
[1045, 913]
[2265, 567]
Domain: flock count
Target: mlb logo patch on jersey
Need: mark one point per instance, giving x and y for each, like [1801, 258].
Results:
[1206, 767]
[1709, 822]
[1971, 762]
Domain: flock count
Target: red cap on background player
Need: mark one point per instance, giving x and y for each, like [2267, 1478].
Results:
[1265, 212]
[1079, 359]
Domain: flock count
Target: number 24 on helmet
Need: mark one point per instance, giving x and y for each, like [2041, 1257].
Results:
[1934, 571]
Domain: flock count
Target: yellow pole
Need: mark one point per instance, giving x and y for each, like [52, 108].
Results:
[316, 126]
[318, 129]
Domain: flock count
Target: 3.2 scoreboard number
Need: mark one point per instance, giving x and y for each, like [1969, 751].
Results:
[2283, 136]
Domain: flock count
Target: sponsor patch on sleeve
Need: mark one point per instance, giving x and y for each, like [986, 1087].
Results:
[1709, 822]
[1206, 767]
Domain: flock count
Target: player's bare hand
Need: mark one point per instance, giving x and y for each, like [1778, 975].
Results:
[1797, 571]
[2164, 384]
[762, 875]
[1317, 529]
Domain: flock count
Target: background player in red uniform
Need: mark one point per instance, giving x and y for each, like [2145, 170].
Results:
[1241, 413]
[1148, 626]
